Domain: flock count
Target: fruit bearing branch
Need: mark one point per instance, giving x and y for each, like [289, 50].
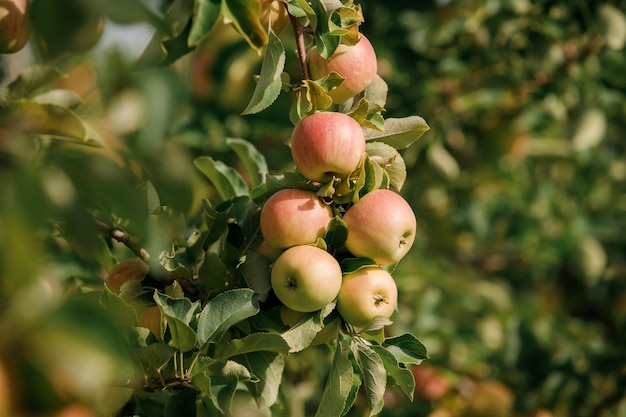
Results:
[129, 241]
[299, 31]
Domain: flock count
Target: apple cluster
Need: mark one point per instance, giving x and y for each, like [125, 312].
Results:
[380, 224]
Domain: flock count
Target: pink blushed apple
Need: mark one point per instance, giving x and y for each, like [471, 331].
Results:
[306, 278]
[356, 63]
[293, 217]
[327, 144]
[365, 294]
[381, 226]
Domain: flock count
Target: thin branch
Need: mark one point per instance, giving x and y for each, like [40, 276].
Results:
[299, 31]
[127, 240]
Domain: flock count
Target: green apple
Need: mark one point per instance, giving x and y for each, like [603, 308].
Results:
[327, 144]
[14, 25]
[356, 63]
[306, 278]
[365, 294]
[294, 217]
[381, 226]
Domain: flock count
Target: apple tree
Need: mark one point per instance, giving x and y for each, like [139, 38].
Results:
[160, 257]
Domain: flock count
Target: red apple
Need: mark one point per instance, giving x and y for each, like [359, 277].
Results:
[327, 144]
[365, 294]
[306, 278]
[294, 217]
[126, 270]
[14, 25]
[355, 63]
[381, 226]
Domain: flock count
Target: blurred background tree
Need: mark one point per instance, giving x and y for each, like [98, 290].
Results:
[517, 281]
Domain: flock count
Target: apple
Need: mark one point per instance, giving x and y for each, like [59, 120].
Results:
[367, 293]
[292, 217]
[152, 319]
[356, 63]
[306, 278]
[381, 226]
[65, 26]
[14, 25]
[274, 13]
[327, 144]
[291, 317]
[127, 270]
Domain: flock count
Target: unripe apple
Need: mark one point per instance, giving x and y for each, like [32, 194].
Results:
[355, 63]
[306, 278]
[381, 226]
[294, 217]
[14, 25]
[327, 144]
[365, 294]
[127, 270]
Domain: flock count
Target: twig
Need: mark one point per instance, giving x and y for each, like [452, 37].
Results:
[129, 241]
[299, 31]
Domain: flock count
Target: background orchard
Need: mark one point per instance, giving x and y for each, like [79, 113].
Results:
[515, 283]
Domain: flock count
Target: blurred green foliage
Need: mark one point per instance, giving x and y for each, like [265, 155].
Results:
[517, 280]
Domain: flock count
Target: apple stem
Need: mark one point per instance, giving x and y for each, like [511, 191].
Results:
[299, 31]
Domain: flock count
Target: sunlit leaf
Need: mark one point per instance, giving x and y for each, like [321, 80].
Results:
[338, 385]
[374, 377]
[401, 376]
[30, 81]
[399, 133]
[390, 160]
[407, 349]
[269, 84]
[244, 15]
[205, 17]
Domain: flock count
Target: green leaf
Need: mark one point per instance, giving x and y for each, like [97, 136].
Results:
[390, 160]
[253, 160]
[219, 379]
[183, 336]
[51, 120]
[339, 385]
[400, 375]
[256, 272]
[269, 84]
[399, 133]
[29, 82]
[336, 233]
[122, 312]
[224, 311]
[226, 180]
[376, 94]
[268, 368]
[302, 334]
[407, 349]
[325, 41]
[59, 97]
[182, 309]
[156, 355]
[212, 273]
[205, 17]
[374, 377]
[244, 15]
[352, 264]
[255, 342]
